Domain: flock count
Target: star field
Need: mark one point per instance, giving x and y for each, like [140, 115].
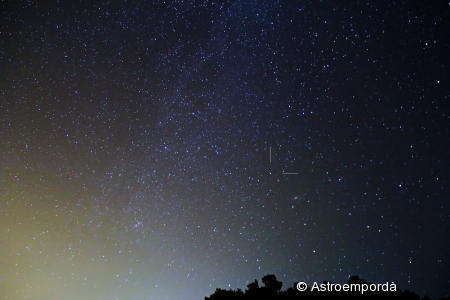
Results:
[143, 146]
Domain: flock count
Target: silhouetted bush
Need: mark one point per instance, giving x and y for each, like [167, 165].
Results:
[272, 290]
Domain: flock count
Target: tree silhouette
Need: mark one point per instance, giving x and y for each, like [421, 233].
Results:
[253, 289]
[272, 290]
[271, 285]
[221, 294]
[356, 280]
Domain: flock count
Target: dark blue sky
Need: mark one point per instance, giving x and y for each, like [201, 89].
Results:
[135, 142]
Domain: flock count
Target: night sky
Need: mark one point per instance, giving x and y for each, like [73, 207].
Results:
[143, 146]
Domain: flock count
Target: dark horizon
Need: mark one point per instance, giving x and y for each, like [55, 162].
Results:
[355, 288]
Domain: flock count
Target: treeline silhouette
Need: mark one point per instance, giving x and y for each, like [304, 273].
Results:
[271, 289]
